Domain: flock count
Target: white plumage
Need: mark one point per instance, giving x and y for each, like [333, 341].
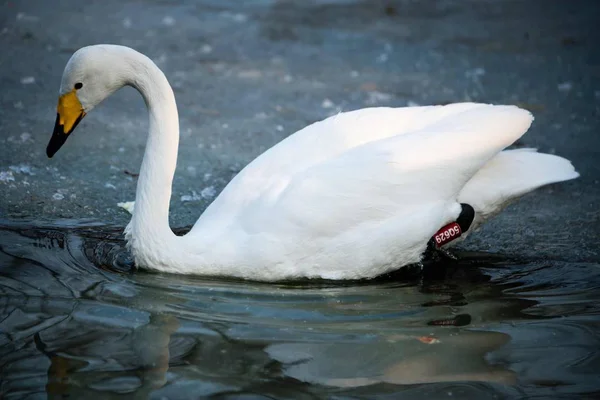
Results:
[353, 196]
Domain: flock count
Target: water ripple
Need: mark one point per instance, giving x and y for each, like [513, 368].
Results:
[77, 319]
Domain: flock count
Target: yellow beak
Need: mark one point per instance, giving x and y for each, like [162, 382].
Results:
[69, 114]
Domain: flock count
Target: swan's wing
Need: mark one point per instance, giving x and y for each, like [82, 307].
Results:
[509, 175]
[415, 176]
[366, 211]
[319, 142]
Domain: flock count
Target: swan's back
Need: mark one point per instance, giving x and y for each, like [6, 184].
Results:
[332, 136]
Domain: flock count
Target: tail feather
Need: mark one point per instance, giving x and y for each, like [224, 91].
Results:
[510, 175]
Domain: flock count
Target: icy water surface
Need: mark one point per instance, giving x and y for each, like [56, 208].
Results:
[77, 322]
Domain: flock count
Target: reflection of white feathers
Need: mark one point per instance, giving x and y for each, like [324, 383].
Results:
[353, 196]
[401, 360]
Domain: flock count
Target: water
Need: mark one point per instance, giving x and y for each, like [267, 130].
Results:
[77, 321]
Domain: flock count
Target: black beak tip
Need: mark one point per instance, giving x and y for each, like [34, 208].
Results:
[50, 152]
[57, 140]
[59, 136]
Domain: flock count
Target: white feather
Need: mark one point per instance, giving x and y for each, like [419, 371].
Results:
[510, 175]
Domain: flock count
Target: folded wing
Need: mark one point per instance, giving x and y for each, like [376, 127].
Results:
[326, 144]
[391, 177]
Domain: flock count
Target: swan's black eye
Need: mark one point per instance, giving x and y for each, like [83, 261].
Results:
[78, 85]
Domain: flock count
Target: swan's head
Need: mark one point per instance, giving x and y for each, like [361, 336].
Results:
[92, 74]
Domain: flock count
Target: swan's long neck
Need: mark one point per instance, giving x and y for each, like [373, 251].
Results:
[149, 228]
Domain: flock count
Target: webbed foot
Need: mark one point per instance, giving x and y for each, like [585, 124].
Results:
[435, 254]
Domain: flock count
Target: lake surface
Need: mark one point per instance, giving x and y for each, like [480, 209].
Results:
[76, 321]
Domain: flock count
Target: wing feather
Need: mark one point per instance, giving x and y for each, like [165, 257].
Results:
[365, 165]
[391, 176]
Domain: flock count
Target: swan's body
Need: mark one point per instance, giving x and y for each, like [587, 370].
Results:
[353, 196]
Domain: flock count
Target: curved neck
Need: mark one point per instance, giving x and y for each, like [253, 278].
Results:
[150, 221]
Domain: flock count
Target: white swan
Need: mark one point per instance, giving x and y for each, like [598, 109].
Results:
[353, 196]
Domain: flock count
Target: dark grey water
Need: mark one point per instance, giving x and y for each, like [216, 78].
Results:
[77, 322]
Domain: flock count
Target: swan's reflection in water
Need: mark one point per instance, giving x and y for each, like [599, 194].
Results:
[397, 359]
[76, 322]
